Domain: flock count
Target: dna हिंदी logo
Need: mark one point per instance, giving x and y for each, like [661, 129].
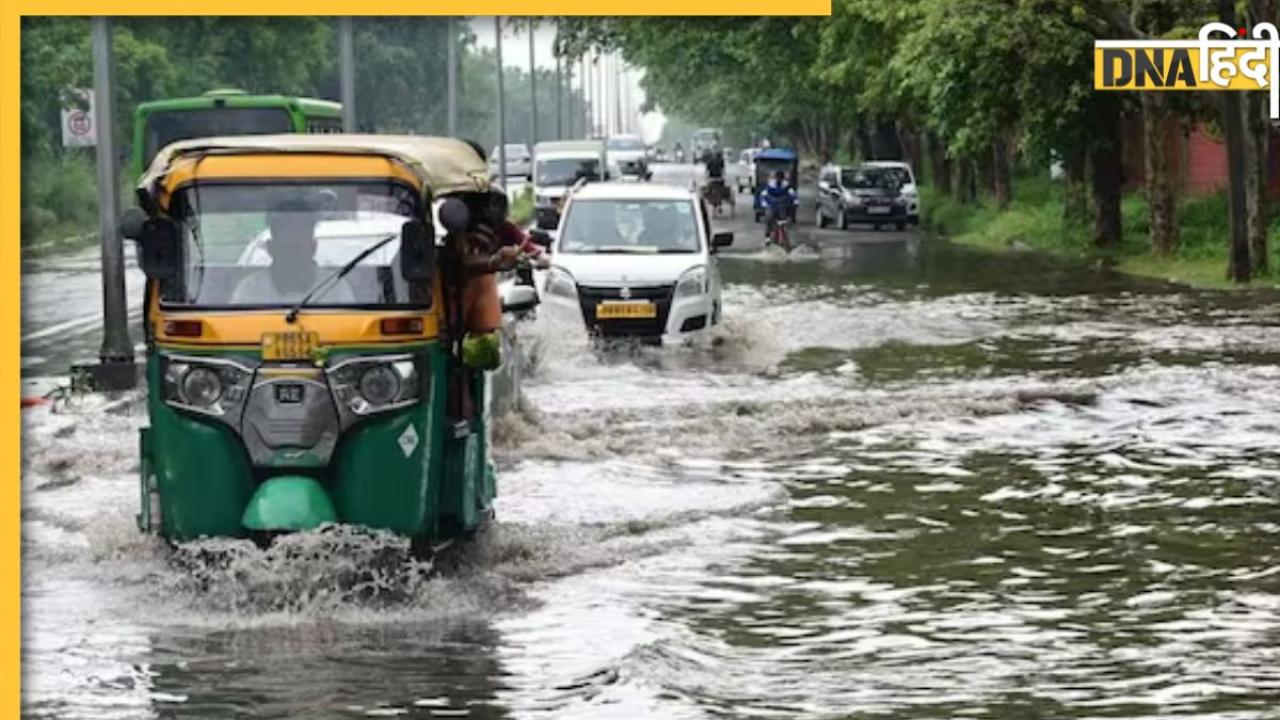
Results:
[1223, 58]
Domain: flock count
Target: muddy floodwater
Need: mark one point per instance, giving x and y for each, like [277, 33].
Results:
[905, 481]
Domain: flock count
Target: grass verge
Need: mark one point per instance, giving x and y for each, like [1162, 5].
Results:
[1034, 221]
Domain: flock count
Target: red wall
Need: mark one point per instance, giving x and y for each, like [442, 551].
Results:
[1207, 164]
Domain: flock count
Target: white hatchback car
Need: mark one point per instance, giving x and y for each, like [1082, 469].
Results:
[636, 261]
[907, 181]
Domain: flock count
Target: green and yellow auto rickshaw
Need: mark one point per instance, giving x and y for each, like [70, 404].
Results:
[305, 338]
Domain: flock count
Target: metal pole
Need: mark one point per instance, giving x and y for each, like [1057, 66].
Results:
[502, 109]
[559, 99]
[533, 91]
[116, 368]
[451, 71]
[347, 74]
[619, 121]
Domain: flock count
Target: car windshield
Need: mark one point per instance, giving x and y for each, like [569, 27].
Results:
[169, 126]
[567, 171]
[629, 226]
[626, 144]
[869, 178]
[265, 245]
[900, 174]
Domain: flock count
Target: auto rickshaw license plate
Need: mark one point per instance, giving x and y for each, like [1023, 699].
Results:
[626, 310]
[289, 345]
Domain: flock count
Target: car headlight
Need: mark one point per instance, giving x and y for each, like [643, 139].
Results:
[692, 283]
[560, 283]
[213, 386]
[853, 199]
[367, 385]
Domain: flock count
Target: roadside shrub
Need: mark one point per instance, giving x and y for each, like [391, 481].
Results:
[59, 198]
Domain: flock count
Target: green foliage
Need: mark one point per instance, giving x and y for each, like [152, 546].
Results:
[400, 83]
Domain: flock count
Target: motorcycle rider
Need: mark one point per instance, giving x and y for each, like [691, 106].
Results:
[779, 200]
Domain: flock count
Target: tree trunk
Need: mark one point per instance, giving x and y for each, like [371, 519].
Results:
[1162, 193]
[938, 162]
[1233, 125]
[1259, 156]
[911, 146]
[1002, 173]
[1107, 178]
[1075, 199]
[864, 142]
[968, 178]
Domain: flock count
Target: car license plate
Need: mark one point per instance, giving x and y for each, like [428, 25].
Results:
[878, 210]
[626, 310]
[289, 345]
[291, 393]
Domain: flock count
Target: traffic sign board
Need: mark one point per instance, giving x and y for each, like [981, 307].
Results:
[78, 128]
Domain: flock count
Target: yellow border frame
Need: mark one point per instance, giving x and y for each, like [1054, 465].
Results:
[10, 210]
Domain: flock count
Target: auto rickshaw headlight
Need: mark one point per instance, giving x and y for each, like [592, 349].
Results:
[201, 387]
[380, 385]
[212, 386]
[371, 384]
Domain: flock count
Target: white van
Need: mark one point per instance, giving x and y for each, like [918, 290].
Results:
[557, 166]
[635, 260]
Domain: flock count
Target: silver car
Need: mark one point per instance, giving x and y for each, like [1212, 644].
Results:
[519, 161]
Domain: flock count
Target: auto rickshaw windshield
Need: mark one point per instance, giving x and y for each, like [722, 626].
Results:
[269, 245]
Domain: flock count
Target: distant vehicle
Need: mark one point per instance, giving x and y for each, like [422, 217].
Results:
[519, 162]
[557, 166]
[221, 113]
[636, 261]
[659, 155]
[746, 169]
[865, 194]
[705, 139]
[907, 179]
[627, 154]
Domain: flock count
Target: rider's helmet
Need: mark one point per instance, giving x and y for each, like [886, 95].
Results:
[780, 176]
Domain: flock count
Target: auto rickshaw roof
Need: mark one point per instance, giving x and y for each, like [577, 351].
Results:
[445, 165]
[776, 154]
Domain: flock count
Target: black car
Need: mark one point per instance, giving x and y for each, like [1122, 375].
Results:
[864, 194]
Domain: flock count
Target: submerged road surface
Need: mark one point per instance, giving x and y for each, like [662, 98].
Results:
[906, 480]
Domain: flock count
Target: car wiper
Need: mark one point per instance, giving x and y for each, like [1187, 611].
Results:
[335, 276]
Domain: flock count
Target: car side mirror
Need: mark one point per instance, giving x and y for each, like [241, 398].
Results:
[417, 251]
[541, 238]
[519, 299]
[722, 239]
[159, 243]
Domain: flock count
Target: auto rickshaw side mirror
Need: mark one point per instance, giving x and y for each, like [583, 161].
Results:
[132, 222]
[159, 243]
[417, 252]
[722, 239]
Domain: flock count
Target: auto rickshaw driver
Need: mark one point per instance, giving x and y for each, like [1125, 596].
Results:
[293, 271]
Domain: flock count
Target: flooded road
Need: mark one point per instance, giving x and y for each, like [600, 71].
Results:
[907, 480]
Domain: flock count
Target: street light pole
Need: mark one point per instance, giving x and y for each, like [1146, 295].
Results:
[115, 369]
[559, 94]
[451, 71]
[502, 110]
[347, 74]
